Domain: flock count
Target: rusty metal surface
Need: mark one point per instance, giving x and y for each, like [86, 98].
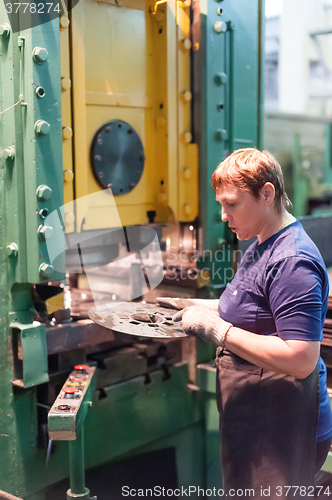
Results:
[79, 335]
[144, 320]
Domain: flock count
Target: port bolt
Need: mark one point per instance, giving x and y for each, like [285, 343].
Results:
[45, 232]
[46, 270]
[65, 83]
[42, 127]
[12, 250]
[39, 55]
[220, 27]
[9, 153]
[4, 30]
[67, 133]
[44, 192]
[68, 176]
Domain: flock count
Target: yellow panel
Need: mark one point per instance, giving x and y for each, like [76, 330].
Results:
[127, 70]
[115, 53]
[188, 154]
[173, 130]
[55, 303]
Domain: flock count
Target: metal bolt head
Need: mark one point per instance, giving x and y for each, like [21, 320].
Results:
[221, 78]
[69, 219]
[65, 83]
[9, 154]
[45, 270]
[186, 137]
[39, 55]
[64, 22]
[185, 44]
[67, 133]
[160, 121]
[12, 250]
[187, 173]
[4, 30]
[42, 127]
[45, 232]
[68, 176]
[186, 96]
[44, 192]
[161, 198]
[220, 27]
[187, 209]
[221, 134]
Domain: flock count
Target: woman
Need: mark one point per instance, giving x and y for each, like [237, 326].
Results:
[275, 415]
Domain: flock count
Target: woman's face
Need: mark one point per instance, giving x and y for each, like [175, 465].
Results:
[242, 211]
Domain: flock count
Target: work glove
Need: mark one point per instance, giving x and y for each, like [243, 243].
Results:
[203, 322]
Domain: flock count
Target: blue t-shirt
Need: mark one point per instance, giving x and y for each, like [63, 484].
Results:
[281, 288]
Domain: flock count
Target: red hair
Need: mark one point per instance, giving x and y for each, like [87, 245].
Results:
[248, 170]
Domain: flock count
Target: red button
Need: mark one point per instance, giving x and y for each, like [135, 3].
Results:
[81, 368]
[70, 390]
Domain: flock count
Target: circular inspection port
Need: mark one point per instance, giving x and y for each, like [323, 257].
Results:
[40, 92]
[219, 11]
[43, 213]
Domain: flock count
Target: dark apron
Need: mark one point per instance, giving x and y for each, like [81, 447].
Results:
[268, 425]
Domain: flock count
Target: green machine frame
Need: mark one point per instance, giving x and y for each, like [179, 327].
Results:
[230, 63]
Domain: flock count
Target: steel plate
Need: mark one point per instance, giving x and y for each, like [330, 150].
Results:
[144, 320]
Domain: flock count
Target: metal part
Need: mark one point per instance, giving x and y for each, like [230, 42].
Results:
[45, 232]
[12, 250]
[9, 154]
[39, 55]
[44, 193]
[117, 157]
[42, 127]
[145, 320]
[46, 271]
[4, 30]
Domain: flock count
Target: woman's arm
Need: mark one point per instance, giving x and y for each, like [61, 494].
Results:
[293, 357]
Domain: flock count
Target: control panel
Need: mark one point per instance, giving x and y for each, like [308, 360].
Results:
[70, 407]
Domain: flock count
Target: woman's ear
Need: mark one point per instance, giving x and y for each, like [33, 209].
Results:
[268, 193]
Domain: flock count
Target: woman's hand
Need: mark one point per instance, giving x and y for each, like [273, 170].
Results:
[203, 322]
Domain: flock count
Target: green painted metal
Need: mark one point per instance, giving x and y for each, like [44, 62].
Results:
[206, 380]
[25, 163]
[300, 182]
[77, 468]
[134, 417]
[231, 115]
